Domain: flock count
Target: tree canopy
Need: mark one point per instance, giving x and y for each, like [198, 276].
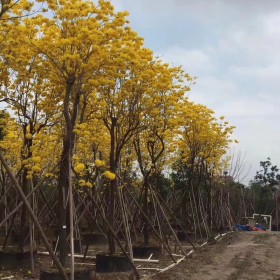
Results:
[87, 103]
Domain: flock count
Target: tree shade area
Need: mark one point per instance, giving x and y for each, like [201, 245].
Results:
[98, 136]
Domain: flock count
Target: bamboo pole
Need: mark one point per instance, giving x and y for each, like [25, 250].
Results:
[113, 233]
[33, 217]
[172, 215]
[38, 185]
[31, 237]
[11, 214]
[166, 219]
[148, 220]
[125, 223]
[194, 218]
[72, 275]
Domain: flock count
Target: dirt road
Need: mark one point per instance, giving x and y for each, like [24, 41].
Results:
[239, 256]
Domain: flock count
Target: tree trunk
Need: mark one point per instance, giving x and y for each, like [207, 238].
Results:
[24, 225]
[65, 165]
[62, 202]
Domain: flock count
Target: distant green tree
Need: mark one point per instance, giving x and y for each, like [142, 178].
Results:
[268, 175]
[180, 175]
[162, 184]
[263, 187]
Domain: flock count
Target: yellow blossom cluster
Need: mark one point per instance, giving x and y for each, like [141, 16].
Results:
[99, 163]
[83, 183]
[109, 175]
[79, 168]
[28, 136]
[32, 166]
[11, 143]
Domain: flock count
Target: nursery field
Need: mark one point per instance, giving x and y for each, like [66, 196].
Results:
[238, 255]
[108, 168]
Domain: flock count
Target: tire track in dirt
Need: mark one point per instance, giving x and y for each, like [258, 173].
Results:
[254, 256]
[241, 256]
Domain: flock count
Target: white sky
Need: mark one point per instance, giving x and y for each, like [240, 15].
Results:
[233, 47]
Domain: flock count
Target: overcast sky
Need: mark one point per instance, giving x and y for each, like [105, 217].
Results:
[233, 47]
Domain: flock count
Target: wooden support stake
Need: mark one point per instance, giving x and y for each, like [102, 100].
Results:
[172, 215]
[113, 233]
[148, 220]
[33, 217]
[166, 219]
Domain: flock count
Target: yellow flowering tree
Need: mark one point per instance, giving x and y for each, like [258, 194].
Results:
[76, 45]
[11, 142]
[202, 143]
[123, 95]
[165, 95]
[203, 138]
[87, 96]
[11, 10]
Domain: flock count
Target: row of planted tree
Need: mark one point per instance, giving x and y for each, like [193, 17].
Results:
[98, 134]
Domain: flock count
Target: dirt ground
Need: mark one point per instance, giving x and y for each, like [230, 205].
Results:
[238, 256]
